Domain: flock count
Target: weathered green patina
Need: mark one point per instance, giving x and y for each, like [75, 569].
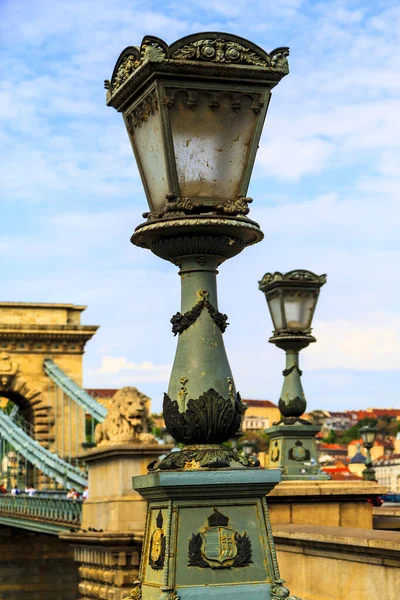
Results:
[194, 112]
[292, 298]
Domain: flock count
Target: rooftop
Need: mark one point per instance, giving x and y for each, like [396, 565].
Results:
[260, 403]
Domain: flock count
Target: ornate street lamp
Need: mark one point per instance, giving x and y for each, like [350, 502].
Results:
[292, 298]
[194, 113]
[368, 435]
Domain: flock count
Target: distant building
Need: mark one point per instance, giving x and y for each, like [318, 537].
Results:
[339, 470]
[376, 413]
[382, 446]
[387, 470]
[357, 462]
[259, 415]
[336, 451]
[330, 420]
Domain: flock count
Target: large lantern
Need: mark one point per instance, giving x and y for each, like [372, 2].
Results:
[194, 112]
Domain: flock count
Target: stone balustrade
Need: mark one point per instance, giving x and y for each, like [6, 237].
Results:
[47, 514]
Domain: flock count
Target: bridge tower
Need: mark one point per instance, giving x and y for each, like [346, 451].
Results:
[29, 334]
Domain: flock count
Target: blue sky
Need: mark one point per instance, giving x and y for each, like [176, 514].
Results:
[325, 188]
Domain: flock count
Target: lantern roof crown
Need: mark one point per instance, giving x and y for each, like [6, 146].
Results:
[297, 277]
[208, 54]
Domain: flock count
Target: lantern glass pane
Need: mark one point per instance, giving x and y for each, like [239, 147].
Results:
[298, 309]
[211, 145]
[276, 312]
[148, 143]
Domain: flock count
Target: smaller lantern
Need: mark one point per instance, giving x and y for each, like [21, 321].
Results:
[292, 298]
[368, 435]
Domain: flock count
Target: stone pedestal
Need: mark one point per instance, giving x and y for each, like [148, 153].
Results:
[293, 449]
[112, 504]
[208, 534]
[108, 546]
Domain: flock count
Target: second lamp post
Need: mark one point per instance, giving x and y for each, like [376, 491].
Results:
[292, 299]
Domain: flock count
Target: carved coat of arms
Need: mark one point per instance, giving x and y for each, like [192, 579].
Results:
[157, 545]
[298, 452]
[219, 546]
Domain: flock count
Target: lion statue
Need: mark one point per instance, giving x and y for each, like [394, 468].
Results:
[127, 420]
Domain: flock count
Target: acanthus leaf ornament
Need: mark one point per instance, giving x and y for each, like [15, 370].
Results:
[212, 457]
[206, 420]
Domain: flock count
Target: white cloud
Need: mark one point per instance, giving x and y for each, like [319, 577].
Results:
[143, 372]
[372, 344]
[290, 159]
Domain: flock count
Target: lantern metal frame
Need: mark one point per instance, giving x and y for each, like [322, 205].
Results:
[146, 80]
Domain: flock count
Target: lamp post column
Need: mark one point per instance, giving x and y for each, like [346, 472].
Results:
[194, 112]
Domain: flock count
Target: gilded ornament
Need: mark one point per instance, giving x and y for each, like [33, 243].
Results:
[129, 64]
[157, 545]
[221, 51]
[275, 452]
[136, 592]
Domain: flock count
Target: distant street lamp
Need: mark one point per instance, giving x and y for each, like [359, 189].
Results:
[248, 447]
[194, 113]
[368, 436]
[292, 298]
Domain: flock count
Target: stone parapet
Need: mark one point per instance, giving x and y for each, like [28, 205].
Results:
[331, 503]
[331, 563]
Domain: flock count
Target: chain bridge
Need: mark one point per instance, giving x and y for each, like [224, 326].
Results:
[46, 417]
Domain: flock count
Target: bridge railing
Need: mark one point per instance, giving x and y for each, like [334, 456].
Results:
[56, 510]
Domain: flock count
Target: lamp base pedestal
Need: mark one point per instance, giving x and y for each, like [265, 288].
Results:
[208, 534]
[293, 449]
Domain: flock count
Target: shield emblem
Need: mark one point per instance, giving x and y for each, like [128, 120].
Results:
[299, 453]
[219, 544]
